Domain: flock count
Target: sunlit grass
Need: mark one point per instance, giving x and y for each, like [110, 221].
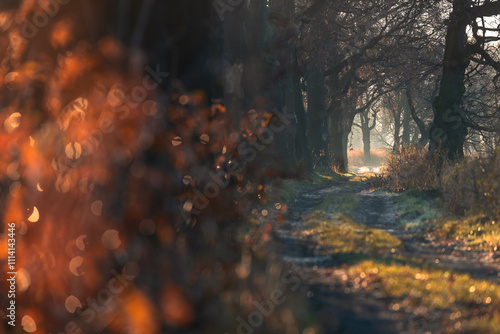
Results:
[362, 177]
[340, 234]
[325, 178]
[477, 231]
[461, 301]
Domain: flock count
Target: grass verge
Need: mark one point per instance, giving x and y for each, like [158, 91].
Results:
[476, 231]
[339, 234]
[453, 302]
[417, 208]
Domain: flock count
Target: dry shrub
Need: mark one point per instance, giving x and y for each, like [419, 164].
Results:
[459, 186]
[378, 181]
[472, 185]
[411, 168]
[467, 186]
[357, 157]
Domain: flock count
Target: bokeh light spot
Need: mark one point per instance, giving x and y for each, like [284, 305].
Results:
[80, 242]
[96, 208]
[184, 99]
[74, 264]
[28, 324]
[187, 180]
[204, 138]
[35, 216]
[72, 303]
[23, 279]
[188, 206]
[10, 79]
[13, 171]
[177, 141]
[73, 150]
[110, 239]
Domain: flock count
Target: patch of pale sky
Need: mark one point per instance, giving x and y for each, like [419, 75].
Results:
[490, 22]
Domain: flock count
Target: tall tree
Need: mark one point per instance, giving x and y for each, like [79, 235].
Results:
[366, 129]
[450, 126]
[317, 116]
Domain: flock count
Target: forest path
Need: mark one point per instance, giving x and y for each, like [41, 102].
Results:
[347, 304]
[379, 210]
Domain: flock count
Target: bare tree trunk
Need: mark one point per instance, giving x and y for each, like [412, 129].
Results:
[337, 139]
[405, 138]
[297, 141]
[397, 128]
[366, 129]
[345, 144]
[301, 140]
[367, 146]
[424, 132]
[448, 130]
[317, 116]
[349, 116]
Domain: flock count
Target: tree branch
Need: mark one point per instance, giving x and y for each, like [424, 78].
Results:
[374, 122]
[487, 9]
[421, 125]
[482, 128]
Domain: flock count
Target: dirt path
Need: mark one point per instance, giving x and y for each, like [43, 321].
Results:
[339, 311]
[377, 210]
[343, 309]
